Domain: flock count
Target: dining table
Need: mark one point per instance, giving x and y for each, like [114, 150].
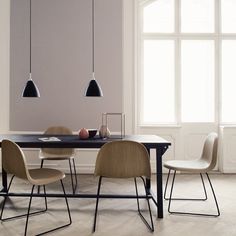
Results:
[37, 141]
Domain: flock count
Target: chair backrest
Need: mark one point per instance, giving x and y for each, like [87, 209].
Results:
[58, 130]
[209, 152]
[13, 159]
[123, 159]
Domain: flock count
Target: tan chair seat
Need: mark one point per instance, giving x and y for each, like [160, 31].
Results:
[14, 162]
[60, 154]
[45, 176]
[202, 165]
[124, 159]
[199, 165]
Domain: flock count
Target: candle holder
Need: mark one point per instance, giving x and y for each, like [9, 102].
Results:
[104, 131]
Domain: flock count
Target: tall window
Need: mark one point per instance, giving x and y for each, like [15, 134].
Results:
[187, 61]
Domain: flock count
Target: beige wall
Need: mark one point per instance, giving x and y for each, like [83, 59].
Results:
[4, 63]
[61, 62]
[85, 162]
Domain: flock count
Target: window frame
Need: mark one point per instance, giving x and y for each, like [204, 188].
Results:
[217, 36]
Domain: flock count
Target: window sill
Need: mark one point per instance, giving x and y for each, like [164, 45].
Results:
[160, 126]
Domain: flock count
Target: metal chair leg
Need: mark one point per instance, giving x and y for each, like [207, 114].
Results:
[167, 180]
[5, 198]
[217, 206]
[150, 227]
[192, 213]
[136, 190]
[96, 209]
[45, 198]
[192, 199]
[22, 215]
[74, 186]
[41, 166]
[75, 174]
[33, 213]
[68, 210]
[28, 213]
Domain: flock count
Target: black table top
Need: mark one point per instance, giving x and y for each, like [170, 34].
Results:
[73, 141]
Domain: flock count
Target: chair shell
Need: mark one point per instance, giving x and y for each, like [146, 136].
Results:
[124, 159]
[14, 162]
[60, 153]
[57, 153]
[16, 165]
[203, 165]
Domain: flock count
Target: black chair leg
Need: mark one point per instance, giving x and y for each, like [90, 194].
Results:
[5, 198]
[171, 191]
[41, 166]
[74, 186]
[67, 205]
[192, 199]
[71, 176]
[75, 174]
[45, 198]
[167, 181]
[217, 206]
[192, 213]
[22, 215]
[68, 210]
[96, 209]
[28, 213]
[150, 227]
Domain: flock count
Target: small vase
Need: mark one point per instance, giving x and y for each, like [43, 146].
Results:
[104, 132]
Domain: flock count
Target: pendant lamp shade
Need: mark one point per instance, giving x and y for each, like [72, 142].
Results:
[93, 89]
[30, 89]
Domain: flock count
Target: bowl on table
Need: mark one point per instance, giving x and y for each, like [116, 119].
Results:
[92, 132]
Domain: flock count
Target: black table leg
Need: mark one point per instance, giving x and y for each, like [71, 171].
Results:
[4, 181]
[148, 181]
[159, 153]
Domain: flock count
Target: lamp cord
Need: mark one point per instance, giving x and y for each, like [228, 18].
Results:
[93, 48]
[30, 38]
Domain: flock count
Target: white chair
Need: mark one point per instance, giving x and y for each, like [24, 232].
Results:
[13, 162]
[203, 165]
[59, 154]
[124, 159]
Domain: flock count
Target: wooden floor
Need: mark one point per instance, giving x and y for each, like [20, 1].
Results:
[119, 216]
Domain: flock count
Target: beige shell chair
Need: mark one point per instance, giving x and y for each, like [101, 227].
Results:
[60, 154]
[204, 164]
[123, 159]
[14, 163]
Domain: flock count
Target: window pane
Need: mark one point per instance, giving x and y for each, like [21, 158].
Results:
[197, 16]
[158, 91]
[159, 17]
[228, 81]
[228, 16]
[197, 70]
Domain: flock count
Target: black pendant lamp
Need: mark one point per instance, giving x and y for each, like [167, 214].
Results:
[93, 89]
[30, 89]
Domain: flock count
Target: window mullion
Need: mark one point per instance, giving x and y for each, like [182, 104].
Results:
[217, 62]
[177, 62]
